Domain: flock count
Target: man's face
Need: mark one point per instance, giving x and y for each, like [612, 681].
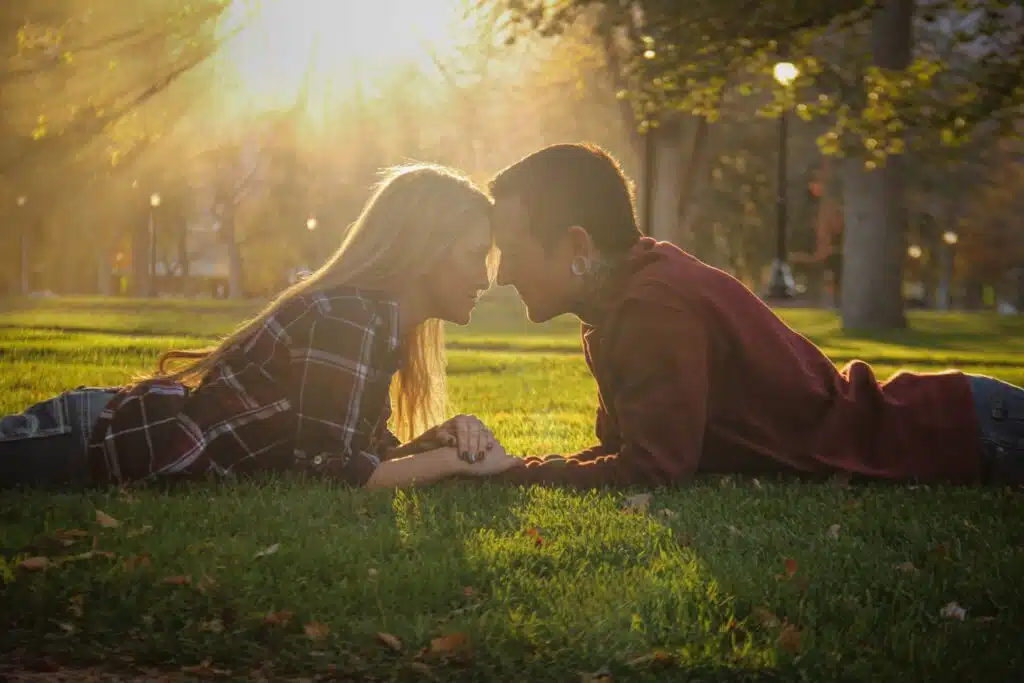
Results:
[541, 276]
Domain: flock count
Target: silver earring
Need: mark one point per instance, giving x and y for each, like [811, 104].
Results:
[580, 265]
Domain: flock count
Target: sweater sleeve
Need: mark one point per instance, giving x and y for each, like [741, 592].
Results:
[660, 364]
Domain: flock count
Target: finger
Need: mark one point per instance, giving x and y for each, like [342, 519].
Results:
[462, 430]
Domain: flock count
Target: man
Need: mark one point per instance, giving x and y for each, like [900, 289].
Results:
[696, 374]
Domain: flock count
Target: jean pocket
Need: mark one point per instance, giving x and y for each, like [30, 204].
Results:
[46, 418]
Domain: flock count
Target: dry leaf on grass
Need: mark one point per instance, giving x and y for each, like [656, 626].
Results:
[35, 564]
[907, 567]
[389, 640]
[953, 611]
[136, 561]
[668, 514]
[599, 676]
[637, 504]
[106, 521]
[447, 643]
[538, 540]
[76, 605]
[316, 630]
[206, 583]
[420, 667]
[766, 617]
[205, 670]
[789, 568]
[211, 626]
[468, 591]
[144, 529]
[282, 618]
[658, 657]
[833, 531]
[789, 639]
[177, 580]
[269, 550]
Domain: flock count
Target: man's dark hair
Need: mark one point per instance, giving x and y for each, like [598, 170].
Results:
[573, 184]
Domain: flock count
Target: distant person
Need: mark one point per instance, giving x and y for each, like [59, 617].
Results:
[697, 375]
[305, 385]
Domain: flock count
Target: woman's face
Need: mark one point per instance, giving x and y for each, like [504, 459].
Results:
[456, 283]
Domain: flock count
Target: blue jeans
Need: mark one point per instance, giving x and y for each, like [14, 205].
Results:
[45, 446]
[999, 407]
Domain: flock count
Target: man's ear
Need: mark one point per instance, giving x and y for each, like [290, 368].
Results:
[579, 242]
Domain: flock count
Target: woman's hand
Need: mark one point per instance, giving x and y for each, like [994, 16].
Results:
[495, 461]
[465, 433]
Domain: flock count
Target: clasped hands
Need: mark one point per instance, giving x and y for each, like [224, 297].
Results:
[478, 449]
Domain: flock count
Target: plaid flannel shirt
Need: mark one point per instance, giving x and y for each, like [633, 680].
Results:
[306, 391]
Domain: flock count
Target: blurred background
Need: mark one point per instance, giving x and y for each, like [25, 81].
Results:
[858, 155]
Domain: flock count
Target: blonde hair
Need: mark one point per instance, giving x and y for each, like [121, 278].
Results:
[413, 217]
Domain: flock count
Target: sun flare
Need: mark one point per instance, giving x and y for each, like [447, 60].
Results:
[273, 47]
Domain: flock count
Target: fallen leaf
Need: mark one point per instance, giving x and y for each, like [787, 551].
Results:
[637, 504]
[204, 670]
[282, 618]
[667, 513]
[34, 564]
[316, 630]
[733, 530]
[756, 482]
[599, 676]
[71, 533]
[269, 550]
[145, 529]
[765, 617]
[127, 497]
[790, 567]
[789, 639]
[105, 520]
[940, 552]
[205, 583]
[658, 657]
[468, 591]
[212, 626]
[448, 643]
[907, 567]
[66, 627]
[389, 640]
[77, 605]
[419, 667]
[177, 580]
[833, 531]
[953, 611]
[136, 561]
[88, 555]
[372, 572]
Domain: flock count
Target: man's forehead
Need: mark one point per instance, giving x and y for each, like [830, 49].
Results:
[509, 214]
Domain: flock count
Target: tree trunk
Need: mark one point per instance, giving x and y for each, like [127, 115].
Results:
[140, 257]
[235, 278]
[25, 266]
[667, 181]
[103, 271]
[694, 177]
[875, 210]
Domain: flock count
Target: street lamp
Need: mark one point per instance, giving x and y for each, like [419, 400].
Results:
[311, 224]
[25, 284]
[914, 251]
[154, 202]
[946, 286]
[780, 285]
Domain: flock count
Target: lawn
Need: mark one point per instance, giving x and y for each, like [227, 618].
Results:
[728, 580]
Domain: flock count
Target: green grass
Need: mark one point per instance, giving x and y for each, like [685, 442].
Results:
[680, 593]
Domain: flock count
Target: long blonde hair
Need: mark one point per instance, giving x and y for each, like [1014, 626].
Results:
[413, 217]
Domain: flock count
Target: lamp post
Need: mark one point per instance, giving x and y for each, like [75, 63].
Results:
[154, 202]
[780, 284]
[950, 239]
[23, 244]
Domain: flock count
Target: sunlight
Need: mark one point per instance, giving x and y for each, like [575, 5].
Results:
[334, 44]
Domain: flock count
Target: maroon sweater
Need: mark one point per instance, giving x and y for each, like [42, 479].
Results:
[696, 374]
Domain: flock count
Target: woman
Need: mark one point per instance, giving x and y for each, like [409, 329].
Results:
[307, 385]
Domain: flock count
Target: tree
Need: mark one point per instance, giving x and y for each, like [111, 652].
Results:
[690, 58]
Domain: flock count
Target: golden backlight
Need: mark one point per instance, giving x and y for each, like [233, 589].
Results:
[333, 44]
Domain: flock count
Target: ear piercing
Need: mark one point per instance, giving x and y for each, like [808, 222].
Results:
[580, 265]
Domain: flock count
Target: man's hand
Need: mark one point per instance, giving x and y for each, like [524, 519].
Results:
[466, 433]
